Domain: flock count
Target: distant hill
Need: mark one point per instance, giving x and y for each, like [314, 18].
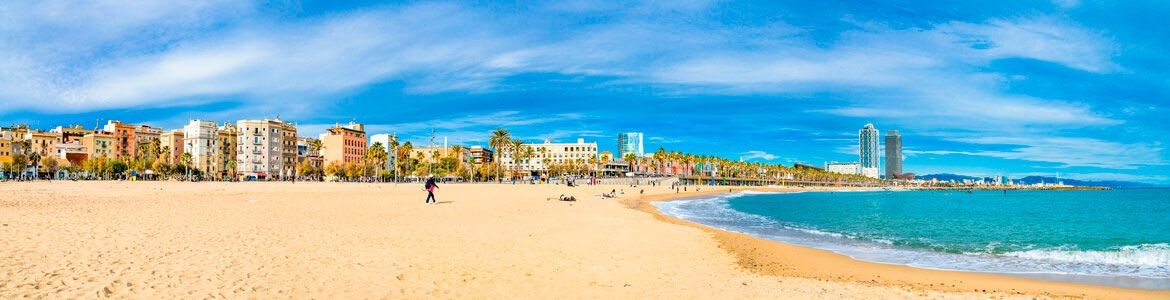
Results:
[1038, 179]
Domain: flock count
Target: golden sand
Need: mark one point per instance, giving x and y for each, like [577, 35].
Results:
[333, 240]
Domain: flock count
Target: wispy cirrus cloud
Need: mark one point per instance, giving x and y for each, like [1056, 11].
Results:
[1068, 152]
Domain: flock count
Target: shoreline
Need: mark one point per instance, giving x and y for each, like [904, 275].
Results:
[774, 258]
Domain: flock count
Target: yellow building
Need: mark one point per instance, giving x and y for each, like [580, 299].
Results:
[98, 144]
[6, 150]
[43, 143]
[226, 154]
[172, 143]
[288, 149]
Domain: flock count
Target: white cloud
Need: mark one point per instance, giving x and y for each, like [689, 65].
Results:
[756, 155]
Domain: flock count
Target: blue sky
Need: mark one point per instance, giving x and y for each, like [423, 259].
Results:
[1076, 88]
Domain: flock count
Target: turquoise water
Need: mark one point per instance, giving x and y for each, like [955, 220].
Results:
[1119, 237]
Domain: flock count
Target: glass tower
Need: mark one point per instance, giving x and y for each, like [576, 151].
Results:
[868, 140]
[630, 142]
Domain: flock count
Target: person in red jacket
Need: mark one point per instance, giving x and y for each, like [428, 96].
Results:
[430, 187]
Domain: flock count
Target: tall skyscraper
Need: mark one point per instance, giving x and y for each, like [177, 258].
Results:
[870, 158]
[893, 154]
[630, 142]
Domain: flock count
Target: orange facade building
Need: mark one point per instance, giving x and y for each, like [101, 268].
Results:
[125, 139]
[345, 144]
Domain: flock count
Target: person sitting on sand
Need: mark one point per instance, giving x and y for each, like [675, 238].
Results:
[430, 186]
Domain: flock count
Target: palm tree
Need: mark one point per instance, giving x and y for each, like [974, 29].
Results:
[377, 156]
[517, 151]
[544, 160]
[605, 160]
[659, 157]
[499, 140]
[593, 165]
[528, 153]
[457, 154]
[630, 159]
[404, 152]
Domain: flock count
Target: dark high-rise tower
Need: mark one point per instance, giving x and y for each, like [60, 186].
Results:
[893, 154]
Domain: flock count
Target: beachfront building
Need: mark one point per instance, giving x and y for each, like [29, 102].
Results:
[126, 141]
[200, 140]
[261, 148]
[306, 152]
[226, 154]
[99, 144]
[630, 142]
[893, 154]
[71, 134]
[848, 168]
[344, 144]
[868, 146]
[146, 134]
[42, 143]
[481, 155]
[63, 150]
[6, 150]
[288, 149]
[549, 154]
[171, 145]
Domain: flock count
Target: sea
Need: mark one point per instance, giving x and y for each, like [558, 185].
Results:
[1110, 237]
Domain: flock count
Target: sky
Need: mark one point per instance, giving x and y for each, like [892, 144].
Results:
[1076, 89]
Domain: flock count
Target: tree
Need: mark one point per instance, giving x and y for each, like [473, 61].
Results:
[377, 156]
[460, 163]
[630, 159]
[335, 169]
[659, 157]
[316, 145]
[35, 159]
[18, 163]
[407, 163]
[517, 151]
[117, 166]
[50, 165]
[308, 169]
[353, 170]
[499, 140]
[185, 161]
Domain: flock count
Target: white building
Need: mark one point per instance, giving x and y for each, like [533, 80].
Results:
[260, 149]
[62, 149]
[549, 153]
[871, 172]
[200, 139]
[848, 168]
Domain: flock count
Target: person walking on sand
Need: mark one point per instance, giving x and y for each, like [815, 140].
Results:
[430, 187]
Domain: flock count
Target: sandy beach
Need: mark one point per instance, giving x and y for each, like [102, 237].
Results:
[333, 240]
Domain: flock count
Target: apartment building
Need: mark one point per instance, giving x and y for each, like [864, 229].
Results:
[125, 139]
[260, 148]
[227, 154]
[200, 140]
